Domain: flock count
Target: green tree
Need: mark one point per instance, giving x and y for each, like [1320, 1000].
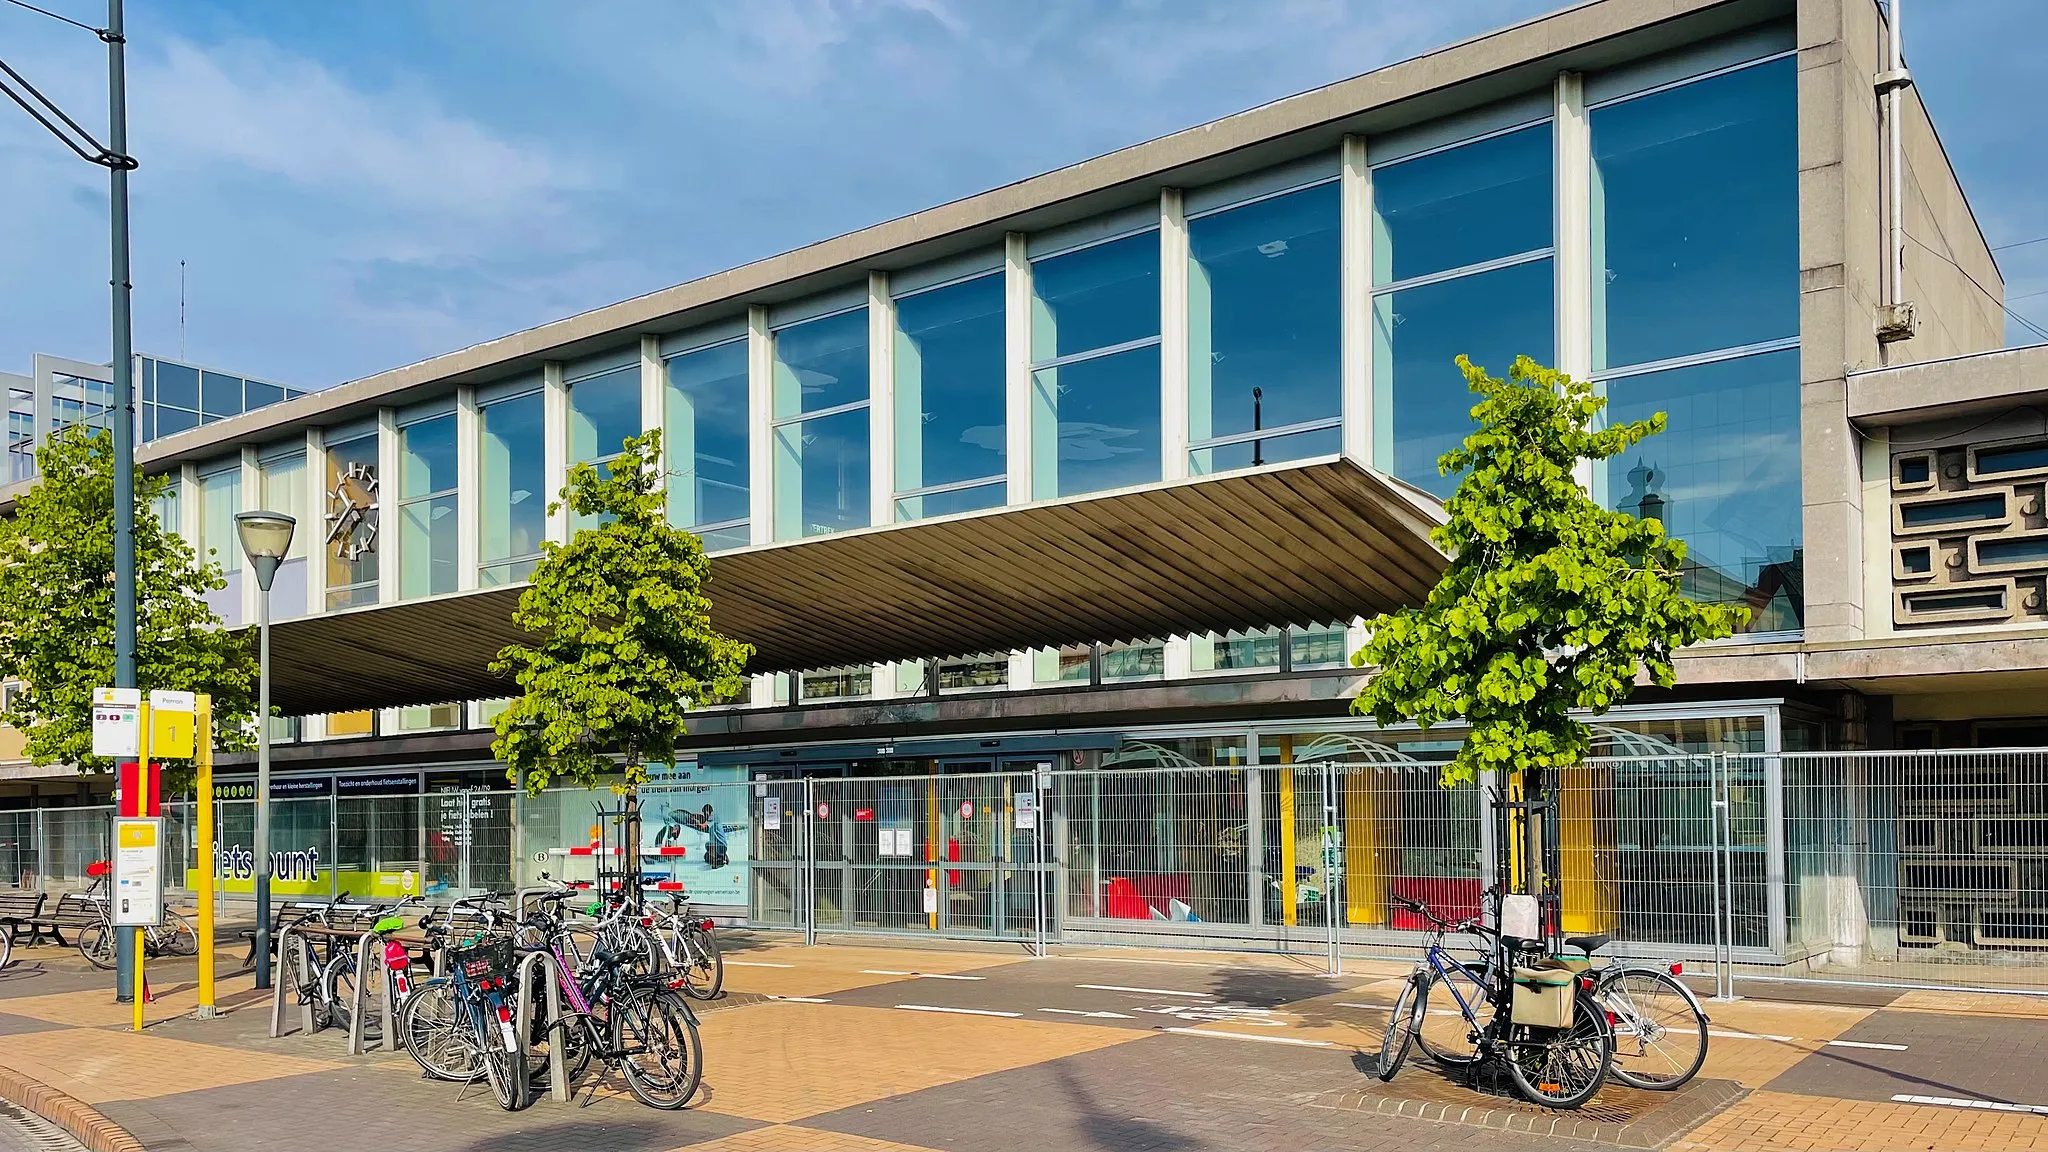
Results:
[622, 644]
[1550, 604]
[57, 608]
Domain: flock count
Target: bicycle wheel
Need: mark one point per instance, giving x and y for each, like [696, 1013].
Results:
[338, 988]
[1562, 1067]
[6, 944]
[504, 1057]
[656, 1036]
[436, 1033]
[176, 936]
[579, 943]
[703, 967]
[1443, 1033]
[1660, 1035]
[1400, 1031]
[96, 943]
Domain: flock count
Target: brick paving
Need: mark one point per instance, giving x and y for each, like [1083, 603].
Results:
[856, 1072]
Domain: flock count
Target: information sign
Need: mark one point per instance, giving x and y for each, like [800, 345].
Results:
[116, 722]
[138, 872]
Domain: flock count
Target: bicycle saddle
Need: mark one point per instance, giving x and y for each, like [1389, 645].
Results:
[1589, 944]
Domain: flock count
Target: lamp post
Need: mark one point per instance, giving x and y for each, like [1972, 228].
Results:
[266, 537]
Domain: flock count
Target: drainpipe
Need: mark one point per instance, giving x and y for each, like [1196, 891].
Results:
[1895, 319]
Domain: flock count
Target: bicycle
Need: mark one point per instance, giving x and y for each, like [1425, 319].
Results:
[480, 973]
[96, 941]
[1660, 1031]
[1556, 1067]
[690, 950]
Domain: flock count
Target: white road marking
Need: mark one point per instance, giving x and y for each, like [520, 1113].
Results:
[1368, 1007]
[956, 1011]
[1988, 1105]
[1148, 991]
[801, 999]
[1866, 1044]
[1090, 1015]
[919, 975]
[755, 964]
[1749, 1036]
[1249, 1036]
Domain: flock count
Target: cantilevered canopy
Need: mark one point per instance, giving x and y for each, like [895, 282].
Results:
[1304, 543]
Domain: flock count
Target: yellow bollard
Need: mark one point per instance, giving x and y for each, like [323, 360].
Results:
[203, 788]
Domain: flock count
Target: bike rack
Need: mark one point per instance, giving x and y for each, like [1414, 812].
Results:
[368, 954]
[551, 974]
[299, 961]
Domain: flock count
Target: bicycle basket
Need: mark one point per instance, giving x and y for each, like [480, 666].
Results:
[487, 958]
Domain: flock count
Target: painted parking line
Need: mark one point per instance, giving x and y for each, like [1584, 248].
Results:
[755, 964]
[1865, 1044]
[919, 975]
[1750, 1036]
[957, 1011]
[1986, 1105]
[1089, 1015]
[1248, 1036]
[1148, 991]
[801, 999]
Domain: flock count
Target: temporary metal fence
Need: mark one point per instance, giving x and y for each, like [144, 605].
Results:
[1903, 869]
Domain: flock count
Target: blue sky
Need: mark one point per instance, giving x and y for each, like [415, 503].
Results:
[358, 186]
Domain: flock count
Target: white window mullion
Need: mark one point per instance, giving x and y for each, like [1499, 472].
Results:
[1017, 367]
[250, 499]
[313, 521]
[1573, 241]
[468, 487]
[554, 440]
[761, 438]
[1173, 336]
[386, 502]
[652, 409]
[881, 401]
[1355, 375]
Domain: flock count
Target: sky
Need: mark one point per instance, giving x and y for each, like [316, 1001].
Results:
[357, 186]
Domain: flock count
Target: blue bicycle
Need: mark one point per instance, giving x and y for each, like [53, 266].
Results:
[1554, 1039]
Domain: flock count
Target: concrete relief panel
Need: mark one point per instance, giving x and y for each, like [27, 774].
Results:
[1970, 533]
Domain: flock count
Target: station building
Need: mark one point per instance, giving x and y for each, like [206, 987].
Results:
[1100, 472]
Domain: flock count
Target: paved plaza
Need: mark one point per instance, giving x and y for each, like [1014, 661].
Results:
[871, 1047]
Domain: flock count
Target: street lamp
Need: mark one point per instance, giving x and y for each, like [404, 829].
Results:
[266, 537]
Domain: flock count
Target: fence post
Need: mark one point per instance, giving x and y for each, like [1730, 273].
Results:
[1037, 874]
[1332, 859]
[806, 877]
[42, 848]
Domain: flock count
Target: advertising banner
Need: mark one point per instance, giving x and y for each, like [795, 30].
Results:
[694, 829]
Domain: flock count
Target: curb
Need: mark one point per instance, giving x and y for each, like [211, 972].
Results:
[84, 1122]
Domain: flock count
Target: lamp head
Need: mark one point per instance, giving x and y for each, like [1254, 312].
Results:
[266, 537]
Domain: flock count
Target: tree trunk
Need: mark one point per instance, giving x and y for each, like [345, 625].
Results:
[630, 833]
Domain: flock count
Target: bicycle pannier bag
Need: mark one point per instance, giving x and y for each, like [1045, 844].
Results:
[1543, 997]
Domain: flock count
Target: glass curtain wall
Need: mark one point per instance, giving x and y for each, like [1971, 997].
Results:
[705, 443]
[165, 507]
[220, 497]
[604, 410]
[1696, 314]
[511, 501]
[1095, 421]
[820, 413]
[351, 531]
[1461, 250]
[950, 421]
[1265, 337]
[282, 480]
[428, 525]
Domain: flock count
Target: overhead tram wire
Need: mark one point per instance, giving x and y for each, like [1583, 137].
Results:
[2022, 321]
[100, 32]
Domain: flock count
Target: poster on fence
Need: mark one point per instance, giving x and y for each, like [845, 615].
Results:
[694, 829]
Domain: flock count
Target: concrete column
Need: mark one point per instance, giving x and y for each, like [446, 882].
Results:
[1173, 337]
[652, 403]
[1572, 232]
[1179, 657]
[881, 401]
[554, 441]
[1017, 406]
[1877, 532]
[313, 520]
[387, 506]
[760, 409]
[189, 511]
[250, 499]
[468, 486]
[1020, 671]
[1355, 374]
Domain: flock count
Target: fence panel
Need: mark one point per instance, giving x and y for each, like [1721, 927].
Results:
[73, 839]
[18, 849]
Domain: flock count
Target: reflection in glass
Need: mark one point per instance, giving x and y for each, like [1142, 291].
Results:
[1418, 333]
[1464, 205]
[603, 411]
[1068, 665]
[706, 440]
[1723, 476]
[1696, 217]
[511, 505]
[1317, 647]
[949, 388]
[1139, 661]
[1265, 450]
[428, 527]
[220, 497]
[821, 475]
[946, 503]
[1235, 651]
[1264, 316]
[1104, 415]
[283, 480]
[1095, 297]
[821, 363]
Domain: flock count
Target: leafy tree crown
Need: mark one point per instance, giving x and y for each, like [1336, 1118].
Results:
[1550, 603]
[621, 643]
[57, 608]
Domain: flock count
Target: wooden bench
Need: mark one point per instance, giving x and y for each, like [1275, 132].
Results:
[19, 909]
[72, 912]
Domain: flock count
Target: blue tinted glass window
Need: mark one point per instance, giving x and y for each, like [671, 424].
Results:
[821, 475]
[511, 500]
[1266, 450]
[177, 386]
[1723, 476]
[220, 395]
[1422, 407]
[952, 500]
[1265, 314]
[1103, 414]
[706, 440]
[1696, 217]
[821, 363]
[603, 411]
[426, 458]
[1461, 206]
[1096, 297]
[949, 384]
[258, 394]
[174, 420]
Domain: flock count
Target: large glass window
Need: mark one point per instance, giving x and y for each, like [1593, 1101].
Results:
[281, 484]
[1461, 265]
[428, 526]
[1265, 344]
[821, 426]
[705, 411]
[511, 502]
[604, 410]
[220, 497]
[165, 509]
[352, 527]
[1696, 314]
[1095, 368]
[949, 399]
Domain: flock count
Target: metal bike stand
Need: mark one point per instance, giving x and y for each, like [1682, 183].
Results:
[362, 995]
[558, 1029]
[287, 937]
